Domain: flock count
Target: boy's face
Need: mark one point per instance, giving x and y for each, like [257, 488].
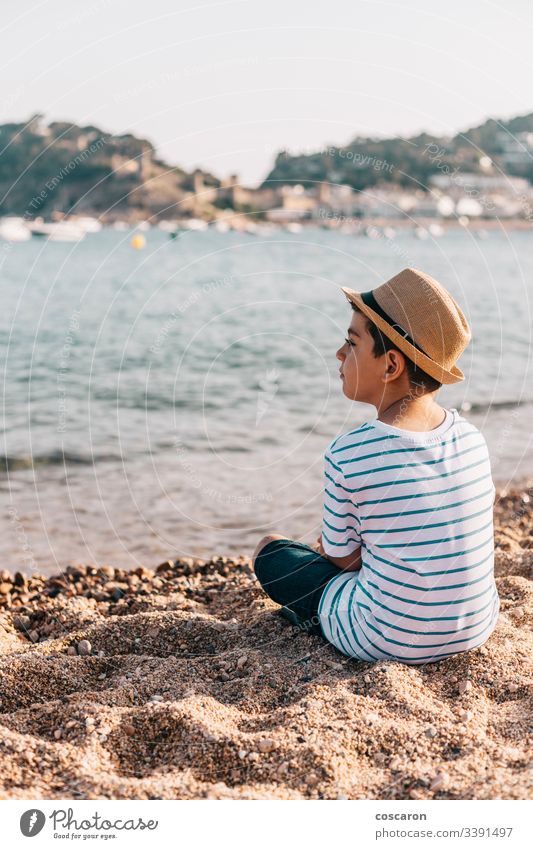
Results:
[362, 372]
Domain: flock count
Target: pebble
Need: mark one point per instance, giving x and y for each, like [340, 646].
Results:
[464, 686]
[84, 648]
[253, 756]
[439, 781]
[129, 730]
[466, 715]
[242, 661]
[34, 636]
[102, 676]
[157, 697]
[431, 732]
[513, 687]
[5, 588]
[72, 650]
[311, 779]
[57, 733]
[266, 745]
[242, 754]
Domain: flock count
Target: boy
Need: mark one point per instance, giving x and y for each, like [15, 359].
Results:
[404, 567]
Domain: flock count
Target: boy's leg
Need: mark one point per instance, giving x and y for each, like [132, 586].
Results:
[294, 575]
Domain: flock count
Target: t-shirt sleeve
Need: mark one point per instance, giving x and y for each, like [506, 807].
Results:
[340, 524]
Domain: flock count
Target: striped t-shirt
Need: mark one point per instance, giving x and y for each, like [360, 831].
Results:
[420, 506]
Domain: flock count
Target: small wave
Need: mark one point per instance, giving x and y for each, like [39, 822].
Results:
[54, 458]
[483, 406]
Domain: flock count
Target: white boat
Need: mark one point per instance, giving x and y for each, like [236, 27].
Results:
[194, 224]
[120, 225]
[293, 227]
[87, 223]
[13, 229]
[167, 226]
[57, 231]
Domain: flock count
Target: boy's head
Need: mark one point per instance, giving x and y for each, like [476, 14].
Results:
[404, 338]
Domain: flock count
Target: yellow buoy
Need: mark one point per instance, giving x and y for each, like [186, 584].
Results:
[138, 241]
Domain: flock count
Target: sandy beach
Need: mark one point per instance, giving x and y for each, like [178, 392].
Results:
[183, 682]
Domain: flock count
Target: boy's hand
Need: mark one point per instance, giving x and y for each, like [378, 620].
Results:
[319, 547]
[350, 563]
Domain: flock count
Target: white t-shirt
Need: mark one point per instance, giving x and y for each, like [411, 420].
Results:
[420, 506]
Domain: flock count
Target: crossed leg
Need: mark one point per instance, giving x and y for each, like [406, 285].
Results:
[264, 541]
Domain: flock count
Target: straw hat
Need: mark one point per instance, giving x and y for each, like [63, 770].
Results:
[421, 318]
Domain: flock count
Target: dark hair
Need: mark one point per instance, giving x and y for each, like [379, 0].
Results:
[382, 344]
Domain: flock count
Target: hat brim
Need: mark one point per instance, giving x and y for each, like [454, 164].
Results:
[428, 365]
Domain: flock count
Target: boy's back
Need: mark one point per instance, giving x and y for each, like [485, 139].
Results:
[420, 506]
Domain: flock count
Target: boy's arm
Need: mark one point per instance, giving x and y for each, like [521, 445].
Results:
[349, 563]
[341, 524]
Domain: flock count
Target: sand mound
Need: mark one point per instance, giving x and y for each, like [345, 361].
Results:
[186, 683]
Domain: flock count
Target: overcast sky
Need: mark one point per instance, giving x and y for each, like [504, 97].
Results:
[224, 85]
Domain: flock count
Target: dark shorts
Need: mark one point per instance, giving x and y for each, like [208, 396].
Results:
[294, 575]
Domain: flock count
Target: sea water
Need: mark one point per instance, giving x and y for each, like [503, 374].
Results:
[177, 401]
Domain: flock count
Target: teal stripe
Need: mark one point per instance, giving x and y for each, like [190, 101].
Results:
[427, 509]
[341, 515]
[428, 447]
[429, 645]
[364, 442]
[428, 574]
[429, 589]
[451, 554]
[417, 465]
[395, 657]
[339, 530]
[339, 500]
[418, 527]
[429, 603]
[423, 495]
[364, 428]
[409, 480]
[430, 541]
[326, 458]
[337, 544]
[353, 625]
[409, 631]
[333, 611]
[421, 618]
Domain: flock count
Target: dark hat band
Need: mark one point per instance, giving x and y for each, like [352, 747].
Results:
[370, 301]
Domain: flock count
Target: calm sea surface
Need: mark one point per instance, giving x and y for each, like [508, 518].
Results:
[177, 401]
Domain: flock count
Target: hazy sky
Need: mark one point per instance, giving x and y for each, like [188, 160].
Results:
[224, 85]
